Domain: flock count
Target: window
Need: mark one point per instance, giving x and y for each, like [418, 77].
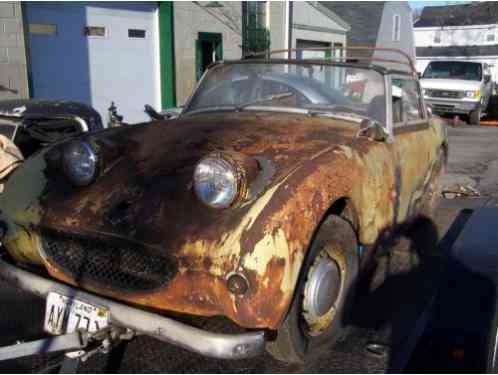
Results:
[255, 35]
[42, 29]
[136, 33]
[396, 28]
[95, 31]
[406, 101]
[490, 36]
[437, 37]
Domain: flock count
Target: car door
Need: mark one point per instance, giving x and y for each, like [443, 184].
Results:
[416, 144]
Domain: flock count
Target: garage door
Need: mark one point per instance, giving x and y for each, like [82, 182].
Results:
[96, 53]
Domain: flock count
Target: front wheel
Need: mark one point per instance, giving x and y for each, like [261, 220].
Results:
[475, 117]
[324, 293]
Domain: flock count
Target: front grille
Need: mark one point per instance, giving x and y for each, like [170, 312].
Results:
[108, 264]
[445, 94]
[442, 107]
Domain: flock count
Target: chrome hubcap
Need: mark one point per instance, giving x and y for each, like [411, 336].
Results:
[321, 293]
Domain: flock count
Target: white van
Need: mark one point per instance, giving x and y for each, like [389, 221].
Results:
[459, 87]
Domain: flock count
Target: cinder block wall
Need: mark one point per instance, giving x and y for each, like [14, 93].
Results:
[13, 72]
[191, 18]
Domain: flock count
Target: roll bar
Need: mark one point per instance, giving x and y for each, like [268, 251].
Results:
[407, 60]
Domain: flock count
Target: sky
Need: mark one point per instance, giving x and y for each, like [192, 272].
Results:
[421, 4]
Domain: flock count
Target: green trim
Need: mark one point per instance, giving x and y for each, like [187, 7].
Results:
[167, 54]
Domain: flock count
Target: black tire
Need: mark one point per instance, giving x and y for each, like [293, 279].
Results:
[293, 340]
[475, 117]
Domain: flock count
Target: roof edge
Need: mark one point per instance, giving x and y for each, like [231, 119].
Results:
[330, 14]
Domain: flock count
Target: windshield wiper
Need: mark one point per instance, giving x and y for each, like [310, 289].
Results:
[264, 99]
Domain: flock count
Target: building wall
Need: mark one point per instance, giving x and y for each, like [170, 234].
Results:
[310, 24]
[385, 37]
[278, 25]
[13, 73]
[96, 69]
[306, 14]
[455, 36]
[317, 36]
[191, 18]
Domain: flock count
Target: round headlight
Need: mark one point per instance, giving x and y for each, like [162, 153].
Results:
[79, 163]
[215, 182]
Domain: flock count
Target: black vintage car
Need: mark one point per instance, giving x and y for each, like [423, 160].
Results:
[33, 124]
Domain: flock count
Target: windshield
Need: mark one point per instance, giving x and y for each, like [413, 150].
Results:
[309, 87]
[454, 69]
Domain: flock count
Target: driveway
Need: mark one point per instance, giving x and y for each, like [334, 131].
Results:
[473, 158]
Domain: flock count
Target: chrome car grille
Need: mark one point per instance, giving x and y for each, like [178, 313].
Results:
[445, 94]
[121, 266]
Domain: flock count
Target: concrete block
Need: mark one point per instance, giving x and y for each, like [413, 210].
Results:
[4, 58]
[18, 10]
[7, 10]
[11, 26]
[16, 55]
[13, 77]
[10, 40]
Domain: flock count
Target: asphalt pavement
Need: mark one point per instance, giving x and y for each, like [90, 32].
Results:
[390, 306]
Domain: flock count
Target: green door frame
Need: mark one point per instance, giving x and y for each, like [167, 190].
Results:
[207, 37]
[167, 54]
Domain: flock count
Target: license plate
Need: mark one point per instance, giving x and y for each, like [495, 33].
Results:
[66, 315]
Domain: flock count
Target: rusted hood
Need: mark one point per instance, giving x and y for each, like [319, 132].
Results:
[285, 139]
[144, 202]
[145, 189]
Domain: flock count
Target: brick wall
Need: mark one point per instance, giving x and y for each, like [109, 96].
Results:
[13, 74]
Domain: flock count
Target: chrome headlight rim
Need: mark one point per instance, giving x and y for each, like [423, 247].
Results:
[68, 166]
[232, 167]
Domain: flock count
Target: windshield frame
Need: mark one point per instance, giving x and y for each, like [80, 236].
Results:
[385, 72]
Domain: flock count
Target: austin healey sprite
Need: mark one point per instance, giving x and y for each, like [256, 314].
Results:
[261, 203]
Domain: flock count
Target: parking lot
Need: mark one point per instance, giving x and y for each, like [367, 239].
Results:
[389, 306]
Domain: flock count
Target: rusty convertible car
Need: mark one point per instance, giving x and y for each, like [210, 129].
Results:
[261, 204]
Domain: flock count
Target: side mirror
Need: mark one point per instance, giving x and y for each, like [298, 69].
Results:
[375, 131]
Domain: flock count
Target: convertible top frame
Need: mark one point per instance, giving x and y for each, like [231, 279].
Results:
[406, 59]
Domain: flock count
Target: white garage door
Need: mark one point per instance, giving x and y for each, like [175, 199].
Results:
[96, 53]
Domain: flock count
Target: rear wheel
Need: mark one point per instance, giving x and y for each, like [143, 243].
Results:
[324, 294]
[475, 117]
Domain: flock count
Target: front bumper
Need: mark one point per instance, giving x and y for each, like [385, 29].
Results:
[452, 106]
[216, 345]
